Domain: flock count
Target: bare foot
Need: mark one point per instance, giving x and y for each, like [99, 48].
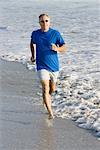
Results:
[51, 116]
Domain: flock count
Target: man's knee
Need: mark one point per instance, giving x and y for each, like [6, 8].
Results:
[45, 87]
[52, 88]
[45, 91]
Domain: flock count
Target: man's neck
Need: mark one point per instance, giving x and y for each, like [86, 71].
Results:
[44, 30]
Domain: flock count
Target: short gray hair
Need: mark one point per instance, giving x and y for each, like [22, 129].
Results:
[44, 15]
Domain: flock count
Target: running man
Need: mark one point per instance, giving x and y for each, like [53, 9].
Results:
[48, 43]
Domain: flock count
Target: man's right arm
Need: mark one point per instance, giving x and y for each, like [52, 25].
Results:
[32, 47]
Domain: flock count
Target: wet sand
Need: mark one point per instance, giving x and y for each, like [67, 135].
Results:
[23, 120]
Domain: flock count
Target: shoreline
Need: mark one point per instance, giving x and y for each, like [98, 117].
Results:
[23, 120]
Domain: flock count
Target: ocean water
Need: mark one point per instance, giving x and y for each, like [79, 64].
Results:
[78, 22]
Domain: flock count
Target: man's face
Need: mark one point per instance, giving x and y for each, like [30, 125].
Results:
[44, 23]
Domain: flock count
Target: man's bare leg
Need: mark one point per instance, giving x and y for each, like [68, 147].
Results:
[52, 86]
[47, 97]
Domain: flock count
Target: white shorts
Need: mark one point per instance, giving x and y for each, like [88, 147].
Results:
[44, 74]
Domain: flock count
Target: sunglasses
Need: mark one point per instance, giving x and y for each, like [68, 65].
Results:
[43, 21]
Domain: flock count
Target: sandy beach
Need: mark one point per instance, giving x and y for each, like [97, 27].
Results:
[23, 120]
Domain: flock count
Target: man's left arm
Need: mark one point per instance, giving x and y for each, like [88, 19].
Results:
[62, 48]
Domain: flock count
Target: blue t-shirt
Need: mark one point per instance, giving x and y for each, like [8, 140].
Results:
[46, 58]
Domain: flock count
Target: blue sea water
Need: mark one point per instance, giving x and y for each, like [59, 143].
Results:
[77, 20]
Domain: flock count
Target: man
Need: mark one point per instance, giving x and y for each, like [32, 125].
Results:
[48, 43]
